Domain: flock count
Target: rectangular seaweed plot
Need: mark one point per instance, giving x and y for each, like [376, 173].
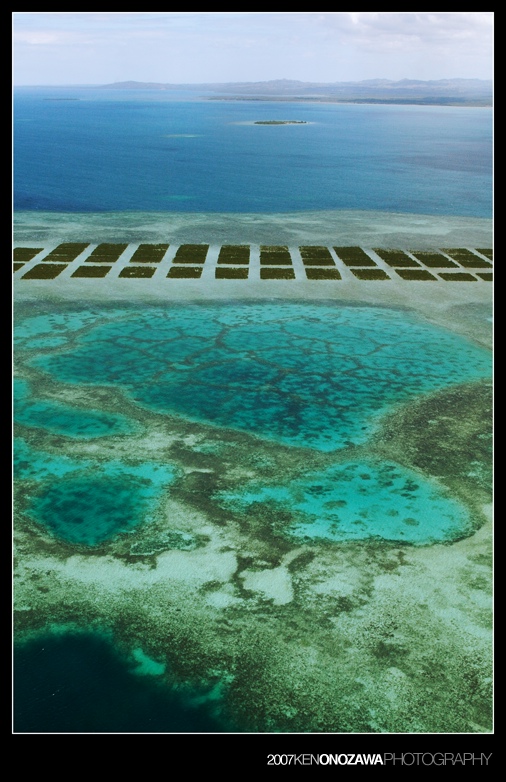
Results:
[273, 255]
[458, 277]
[316, 256]
[397, 258]
[231, 273]
[185, 272]
[313, 273]
[17, 265]
[149, 253]
[468, 259]
[66, 252]
[487, 276]
[44, 271]
[271, 273]
[434, 260]
[24, 254]
[106, 253]
[487, 251]
[191, 253]
[354, 256]
[91, 271]
[234, 254]
[415, 274]
[371, 274]
[136, 271]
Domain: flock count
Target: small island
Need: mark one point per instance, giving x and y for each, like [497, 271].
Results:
[280, 122]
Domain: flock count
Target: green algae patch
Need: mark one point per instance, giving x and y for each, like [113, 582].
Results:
[354, 256]
[415, 274]
[234, 254]
[434, 260]
[274, 255]
[149, 253]
[24, 254]
[277, 274]
[370, 274]
[360, 500]
[487, 276]
[468, 259]
[66, 252]
[457, 277]
[43, 271]
[231, 274]
[322, 274]
[17, 266]
[316, 255]
[137, 271]
[91, 271]
[396, 258]
[185, 272]
[106, 253]
[486, 251]
[191, 253]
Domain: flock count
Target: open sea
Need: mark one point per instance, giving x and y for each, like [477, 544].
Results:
[145, 158]
[92, 151]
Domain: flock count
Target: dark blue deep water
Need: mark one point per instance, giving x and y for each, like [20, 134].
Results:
[89, 150]
[79, 683]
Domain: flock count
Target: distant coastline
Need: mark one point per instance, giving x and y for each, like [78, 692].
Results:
[439, 92]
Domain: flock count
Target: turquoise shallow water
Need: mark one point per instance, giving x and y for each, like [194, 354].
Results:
[85, 502]
[358, 501]
[300, 374]
[63, 419]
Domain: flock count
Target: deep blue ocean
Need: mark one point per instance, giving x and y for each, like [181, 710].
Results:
[96, 150]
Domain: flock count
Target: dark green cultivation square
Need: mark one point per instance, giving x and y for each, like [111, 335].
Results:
[91, 271]
[397, 258]
[415, 274]
[316, 256]
[272, 273]
[234, 254]
[66, 252]
[457, 277]
[149, 253]
[191, 253]
[231, 274]
[354, 256]
[370, 274]
[106, 253]
[18, 265]
[137, 271]
[468, 259]
[44, 271]
[274, 255]
[185, 272]
[434, 260]
[488, 276]
[487, 251]
[322, 274]
[24, 254]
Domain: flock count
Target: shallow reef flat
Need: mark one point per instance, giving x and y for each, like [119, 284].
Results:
[279, 509]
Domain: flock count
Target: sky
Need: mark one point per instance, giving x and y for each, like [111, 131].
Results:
[92, 47]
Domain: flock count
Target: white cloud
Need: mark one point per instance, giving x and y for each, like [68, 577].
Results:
[197, 46]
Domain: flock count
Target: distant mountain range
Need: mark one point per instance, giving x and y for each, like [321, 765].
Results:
[447, 92]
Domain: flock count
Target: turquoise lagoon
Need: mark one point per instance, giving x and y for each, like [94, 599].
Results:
[302, 375]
